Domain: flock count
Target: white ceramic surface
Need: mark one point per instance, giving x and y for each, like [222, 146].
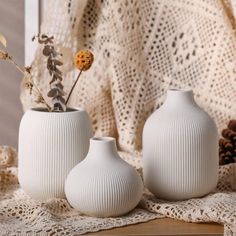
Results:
[103, 184]
[50, 145]
[180, 149]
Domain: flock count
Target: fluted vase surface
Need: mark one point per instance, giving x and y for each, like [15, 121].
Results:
[50, 145]
[103, 185]
[180, 149]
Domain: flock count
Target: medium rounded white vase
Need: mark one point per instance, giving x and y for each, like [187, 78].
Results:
[103, 184]
[50, 145]
[180, 149]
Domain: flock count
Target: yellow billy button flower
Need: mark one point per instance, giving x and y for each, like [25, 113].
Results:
[83, 60]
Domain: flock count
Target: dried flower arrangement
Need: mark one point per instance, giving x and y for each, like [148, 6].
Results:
[82, 60]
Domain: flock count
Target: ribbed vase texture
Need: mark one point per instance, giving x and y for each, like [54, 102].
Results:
[103, 184]
[50, 145]
[180, 149]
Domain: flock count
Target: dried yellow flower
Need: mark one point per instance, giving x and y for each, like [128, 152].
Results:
[83, 60]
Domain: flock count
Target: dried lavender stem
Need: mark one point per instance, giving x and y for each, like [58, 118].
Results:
[23, 71]
[73, 86]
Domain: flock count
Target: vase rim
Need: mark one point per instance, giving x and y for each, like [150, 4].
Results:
[177, 97]
[180, 90]
[102, 147]
[103, 139]
[68, 110]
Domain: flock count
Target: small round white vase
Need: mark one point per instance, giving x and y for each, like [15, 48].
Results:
[50, 145]
[180, 149]
[103, 184]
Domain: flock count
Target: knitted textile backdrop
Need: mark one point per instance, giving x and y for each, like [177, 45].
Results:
[141, 49]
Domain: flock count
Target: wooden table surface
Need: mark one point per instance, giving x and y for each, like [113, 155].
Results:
[166, 226]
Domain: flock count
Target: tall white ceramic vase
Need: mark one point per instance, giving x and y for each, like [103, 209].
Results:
[180, 149]
[50, 145]
[103, 184]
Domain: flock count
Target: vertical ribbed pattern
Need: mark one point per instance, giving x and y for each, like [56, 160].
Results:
[180, 153]
[103, 186]
[104, 192]
[50, 145]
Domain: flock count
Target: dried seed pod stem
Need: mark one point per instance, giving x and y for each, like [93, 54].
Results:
[83, 60]
[72, 88]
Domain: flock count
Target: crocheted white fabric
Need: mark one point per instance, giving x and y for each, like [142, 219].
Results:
[20, 215]
[141, 49]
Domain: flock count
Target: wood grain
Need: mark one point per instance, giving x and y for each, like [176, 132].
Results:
[166, 226]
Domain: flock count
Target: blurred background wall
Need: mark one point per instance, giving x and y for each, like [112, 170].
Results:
[12, 26]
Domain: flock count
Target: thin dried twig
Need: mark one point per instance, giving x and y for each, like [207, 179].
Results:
[68, 98]
[28, 75]
[26, 71]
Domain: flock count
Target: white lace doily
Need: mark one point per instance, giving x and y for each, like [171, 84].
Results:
[20, 215]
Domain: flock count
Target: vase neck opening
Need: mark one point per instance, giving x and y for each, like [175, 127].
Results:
[102, 146]
[179, 96]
